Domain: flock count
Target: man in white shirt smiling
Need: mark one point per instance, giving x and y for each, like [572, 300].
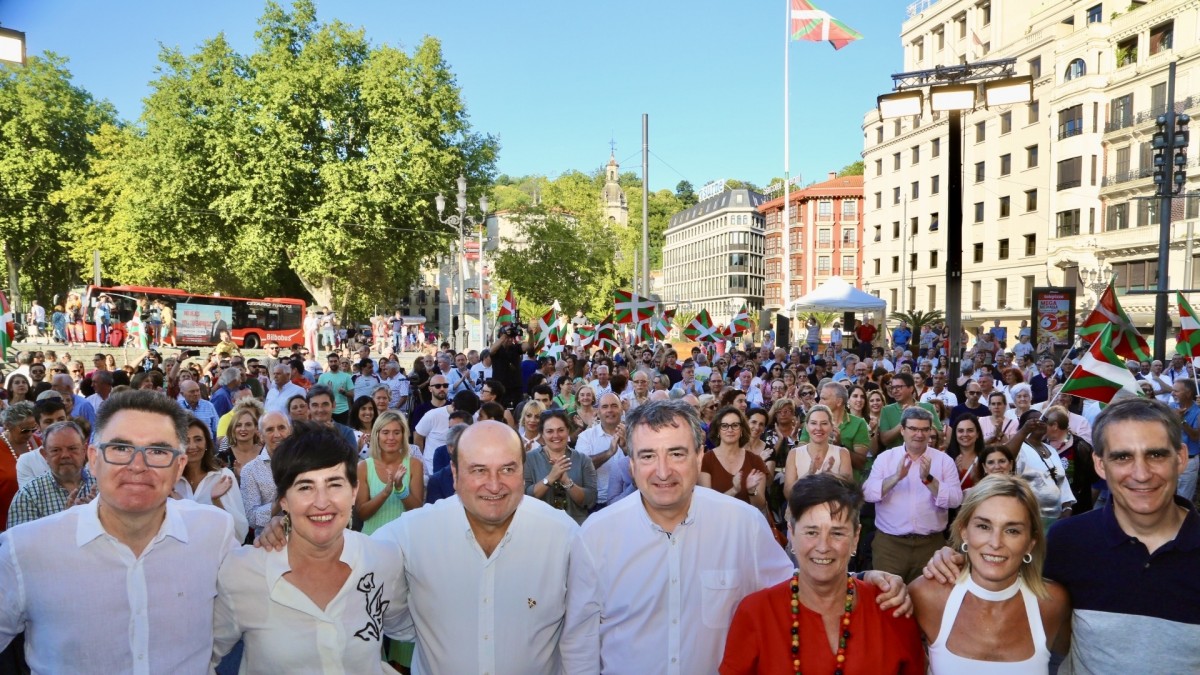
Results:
[150, 562]
[667, 570]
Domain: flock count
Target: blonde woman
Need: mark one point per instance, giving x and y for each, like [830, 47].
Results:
[818, 455]
[530, 428]
[241, 442]
[390, 480]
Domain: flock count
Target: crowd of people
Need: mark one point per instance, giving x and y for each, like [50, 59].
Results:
[764, 509]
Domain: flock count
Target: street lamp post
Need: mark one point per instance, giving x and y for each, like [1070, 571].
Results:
[953, 89]
[12, 46]
[462, 222]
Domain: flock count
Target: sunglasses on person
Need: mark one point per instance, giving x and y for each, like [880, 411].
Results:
[438, 386]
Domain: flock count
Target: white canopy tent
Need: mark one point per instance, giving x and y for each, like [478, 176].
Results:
[836, 295]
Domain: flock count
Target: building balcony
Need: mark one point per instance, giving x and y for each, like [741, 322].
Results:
[1068, 184]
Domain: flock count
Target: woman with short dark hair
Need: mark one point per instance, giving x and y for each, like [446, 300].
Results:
[729, 468]
[330, 595]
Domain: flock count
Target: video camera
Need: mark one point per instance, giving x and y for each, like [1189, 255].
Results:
[512, 330]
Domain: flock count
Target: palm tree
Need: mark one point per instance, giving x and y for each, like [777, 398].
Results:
[916, 319]
[824, 318]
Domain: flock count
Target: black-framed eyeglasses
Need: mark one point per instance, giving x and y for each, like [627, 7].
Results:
[727, 426]
[121, 454]
[438, 386]
[919, 430]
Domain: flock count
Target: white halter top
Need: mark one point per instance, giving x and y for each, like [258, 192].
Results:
[943, 661]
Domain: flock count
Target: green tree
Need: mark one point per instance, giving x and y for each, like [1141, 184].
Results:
[917, 318]
[853, 169]
[559, 257]
[315, 157]
[685, 193]
[46, 128]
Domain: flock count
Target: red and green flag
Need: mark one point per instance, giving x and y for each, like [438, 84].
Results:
[1188, 343]
[7, 333]
[645, 331]
[816, 25]
[1127, 342]
[508, 310]
[701, 328]
[1101, 374]
[586, 335]
[631, 307]
[740, 322]
[606, 334]
[546, 328]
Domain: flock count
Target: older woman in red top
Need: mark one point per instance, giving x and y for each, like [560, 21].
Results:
[821, 620]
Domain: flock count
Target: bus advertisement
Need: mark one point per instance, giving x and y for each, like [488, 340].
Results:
[199, 319]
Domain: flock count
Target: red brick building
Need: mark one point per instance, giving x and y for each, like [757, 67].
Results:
[826, 235]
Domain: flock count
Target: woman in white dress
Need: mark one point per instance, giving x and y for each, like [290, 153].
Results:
[323, 603]
[1001, 616]
[206, 481]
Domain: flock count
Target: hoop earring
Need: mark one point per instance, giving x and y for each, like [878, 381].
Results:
[1027, 558]
[963, 548]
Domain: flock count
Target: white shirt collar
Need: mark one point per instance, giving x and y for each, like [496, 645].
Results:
[88, 527]
[687, 520]
[276, 564]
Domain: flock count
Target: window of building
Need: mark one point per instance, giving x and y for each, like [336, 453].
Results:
[876, 267]
[932, 293]
[1034, 112]
[933, 260]
[912, 262]
[1004, 206]
[916, 154]
[1070, 173]
[878, 232]
[916, 189]
[878, 200]
[1001, 293]
[1030, 245]
[1002, 248]
[1067, 223]
[1031, 156]
[849, 209]
[1031, 200]
[896, 161]
[823, 264]
[825, 209]
[919, 48]
[879, 134]
[1120, 113]
[935, 185]
[1035, 67]
[976, 294]
[1147, 213]
[895, 264]
[979, 212]
[1162, 37]
[980, 132]
[1095, 14]
[849, 236]
[1127, 52]
[939, 39]
[848, 265]
[1005, 164]
[879, 167]
[1005, 123]
[935, 147]
[824, 237]
[896, 128]
[912, 226]
[984, 11]
[1076, 68]
[896, 195]
[933, 222]
[980, 171]
[895, 229]
[1070, 122]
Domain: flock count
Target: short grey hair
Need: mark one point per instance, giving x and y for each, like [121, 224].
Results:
[262, 419]
[659, 414]
[17, 413]
[66, 425]
[229, 376]
[838, 390]
[915, 413]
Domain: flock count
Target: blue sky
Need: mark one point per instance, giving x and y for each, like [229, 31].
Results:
[556, 79]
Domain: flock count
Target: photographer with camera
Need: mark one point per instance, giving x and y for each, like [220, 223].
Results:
[506, 356]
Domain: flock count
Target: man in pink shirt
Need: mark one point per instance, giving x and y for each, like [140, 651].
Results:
[913, 487]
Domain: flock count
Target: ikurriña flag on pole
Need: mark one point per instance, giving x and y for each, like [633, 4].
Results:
[1188, 343]
[508, 310]
[1126, 341]
[816, 25]
[1101, 374]
[701, 328]
[7, 333]
[631, 307]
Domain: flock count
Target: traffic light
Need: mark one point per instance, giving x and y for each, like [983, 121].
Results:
[1170, 153]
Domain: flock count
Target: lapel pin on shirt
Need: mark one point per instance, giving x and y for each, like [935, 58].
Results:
[532, 602]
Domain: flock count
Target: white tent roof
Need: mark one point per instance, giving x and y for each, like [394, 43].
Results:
[835, 295]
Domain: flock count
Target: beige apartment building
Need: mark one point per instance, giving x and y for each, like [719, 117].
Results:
[1052, 188]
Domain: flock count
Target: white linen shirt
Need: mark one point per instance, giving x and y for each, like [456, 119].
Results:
[87, 605]
[231, 501]
[666, 600]
[286, 632]
[258, 491]
[593, 441]
[498, 615]
[30, 465]
[434, 427]
[278, 397]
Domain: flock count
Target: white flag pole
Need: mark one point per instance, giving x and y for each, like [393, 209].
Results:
[786, 294]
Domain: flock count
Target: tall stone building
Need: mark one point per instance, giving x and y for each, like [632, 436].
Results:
[1054, 191]
[612, 197]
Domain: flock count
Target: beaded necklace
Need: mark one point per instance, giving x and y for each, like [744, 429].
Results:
[840, 658]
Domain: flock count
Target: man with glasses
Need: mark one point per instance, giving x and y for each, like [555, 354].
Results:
[716, 383]
[65, 482]
[903, 391]
[150, 562]
[913, 487]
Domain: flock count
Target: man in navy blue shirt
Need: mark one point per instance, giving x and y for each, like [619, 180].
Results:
[1129, 567]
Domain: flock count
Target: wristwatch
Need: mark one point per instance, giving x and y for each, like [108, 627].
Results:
[927, 479]
[567, 486]
[546, 481]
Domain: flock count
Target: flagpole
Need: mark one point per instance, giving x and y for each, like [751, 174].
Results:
[787, 178]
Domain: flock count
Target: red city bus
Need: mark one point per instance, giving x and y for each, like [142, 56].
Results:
[200, 318]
